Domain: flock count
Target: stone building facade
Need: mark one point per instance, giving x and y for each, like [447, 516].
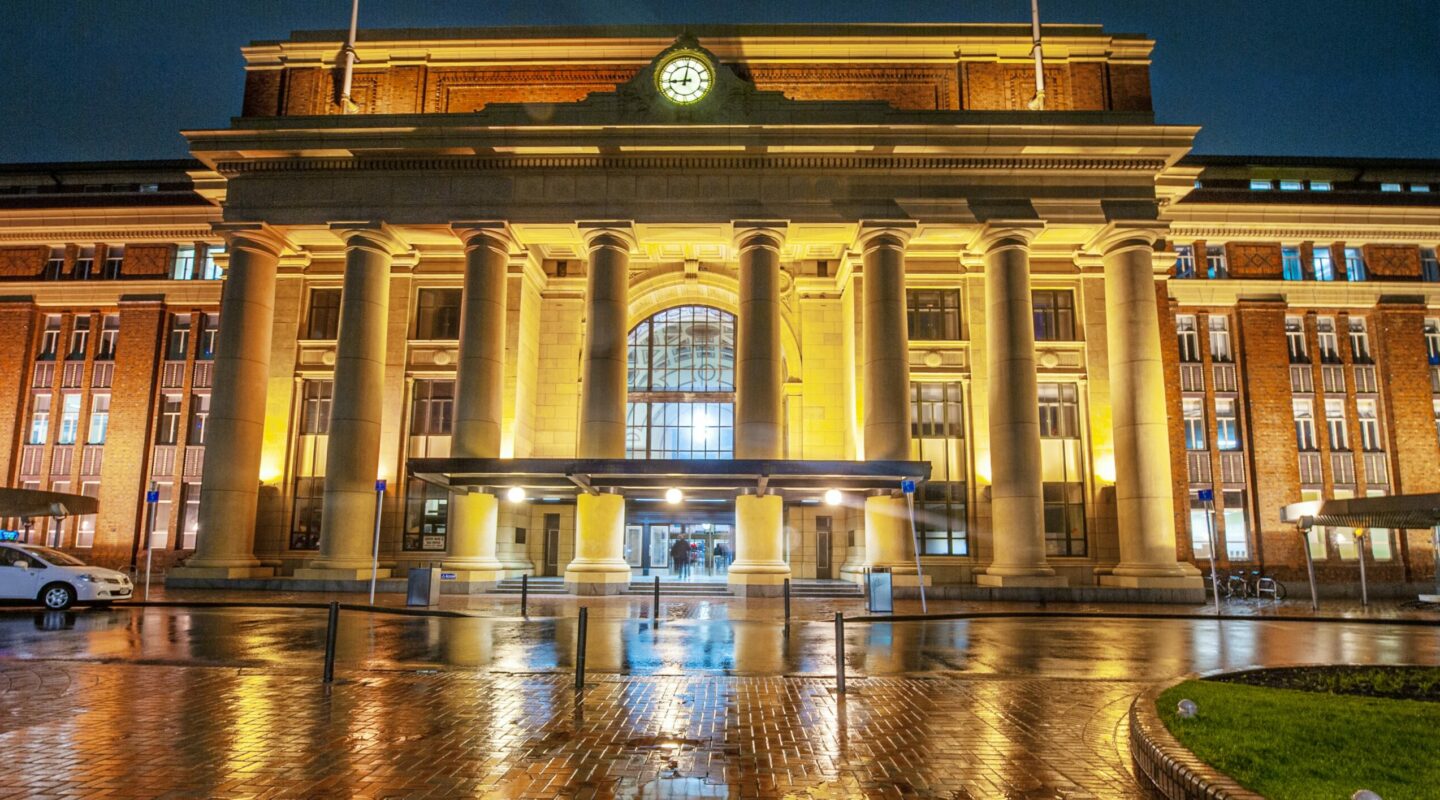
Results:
[856, 256]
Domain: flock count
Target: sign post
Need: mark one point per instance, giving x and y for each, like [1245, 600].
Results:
[908, 487]
[152, 497]
[1207, 496]
[375, 548]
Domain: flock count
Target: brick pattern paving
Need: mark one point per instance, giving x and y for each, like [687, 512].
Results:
[88, 730]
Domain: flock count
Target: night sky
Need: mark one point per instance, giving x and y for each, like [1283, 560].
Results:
[117, 79]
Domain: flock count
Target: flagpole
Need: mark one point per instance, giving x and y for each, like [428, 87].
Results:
[348, 53]
[1038, 104]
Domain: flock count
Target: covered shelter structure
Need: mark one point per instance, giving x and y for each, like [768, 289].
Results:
[27, 504]
[1361, 514]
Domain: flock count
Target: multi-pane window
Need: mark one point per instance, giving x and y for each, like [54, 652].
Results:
[682, 385]
[1291, 186]
[1184, 261]
[1200, 525]
[308, 503]
[50, 338]
[159, 534]
[79, 338]
[427, 517]
[199, 419]
[1220, 339]
[39, 419]
[1216, 266]
[1335, 424]
[210, 269]
[1305, 425]
[1392, 187]
[109, 337]
[1359, 341]
[323, 319]
[189, 514]
[432, 410]
[69, 418]
[688, 429]
[1320, 186]
[1295, 340]
[1227, 425]
[183, 269]
[1237, 526]
[315, 407]
[85, 529]
[99, 418]
[209, 334]
[1432, 340]
[114, 260]
[1290, 264]
[178, 341]
[55, 265]
[1354, 264]
[1368, 413]
[937, 426]
[1328, 341]
[1062, 473]
[1321, 264]
[1193, 414]
[1259, 185]
[167, 430]
[1054, 311]
[1188, 337]
[1429, 265]
[437, 314]
[934, 314]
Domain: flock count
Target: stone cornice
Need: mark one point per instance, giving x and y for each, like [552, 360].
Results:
[118, 235]
[1218, 232]
[1304, 294]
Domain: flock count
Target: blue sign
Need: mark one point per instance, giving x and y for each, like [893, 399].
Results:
[152, 496]
[908, 487]
[380, 485]
[9, 536]
[1207, 494]
[447, 576]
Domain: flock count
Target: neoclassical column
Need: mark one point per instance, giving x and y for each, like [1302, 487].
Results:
[1017, 506]
[479, 395]
[352, 457]
[1144, 500]
[889, 538]
[599, 566]
[760, 567]
[224, 547]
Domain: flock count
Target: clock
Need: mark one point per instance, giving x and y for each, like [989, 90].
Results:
[684, 78]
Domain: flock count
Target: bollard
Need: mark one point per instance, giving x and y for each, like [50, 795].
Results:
[524, 595]
[787, 599]
[655, 604]
[839, 653]
[580, 648]
[331, 629]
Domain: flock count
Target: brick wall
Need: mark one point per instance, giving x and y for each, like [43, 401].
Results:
[17, 331]
[1274, 456]
[1179, 475]
[127, 443]
[1399, 340]
[1392, 261]
[23, 262]
[1254, 260]
[147, 261]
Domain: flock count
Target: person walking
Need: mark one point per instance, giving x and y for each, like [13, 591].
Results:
[680, 554]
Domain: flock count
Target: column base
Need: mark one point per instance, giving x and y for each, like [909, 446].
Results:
[1152, 582]
[597, 579]
[758, 579]
[1023, 581]
[474, 580]
[225, 573]
[339, 573]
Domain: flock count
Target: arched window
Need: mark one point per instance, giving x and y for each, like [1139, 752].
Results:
[682, 385]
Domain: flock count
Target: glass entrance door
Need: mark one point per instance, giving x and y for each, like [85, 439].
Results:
[690, 551]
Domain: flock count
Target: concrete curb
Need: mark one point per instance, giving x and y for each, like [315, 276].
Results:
[1165, 766]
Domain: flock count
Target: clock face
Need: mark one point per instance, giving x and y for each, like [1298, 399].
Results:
[685, 79]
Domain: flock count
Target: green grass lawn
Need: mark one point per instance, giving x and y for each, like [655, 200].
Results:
[1285, 743]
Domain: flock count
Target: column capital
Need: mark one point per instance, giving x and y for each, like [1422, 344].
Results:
[1000, 234]
[885, 233]
[755, 233]
[371, 235]
[1117, 236]
[255, 236]
[618, 234]
[495, 234]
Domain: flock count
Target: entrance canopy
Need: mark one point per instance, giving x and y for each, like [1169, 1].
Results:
[653, 477]
[1399, 511]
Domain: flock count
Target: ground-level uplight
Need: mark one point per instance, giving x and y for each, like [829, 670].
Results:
[515, 494]
[674, 496]
[832, 497]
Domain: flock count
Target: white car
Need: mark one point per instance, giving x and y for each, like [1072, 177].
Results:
[55, 579]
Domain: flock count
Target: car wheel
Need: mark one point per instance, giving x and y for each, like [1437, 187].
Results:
[57, 596]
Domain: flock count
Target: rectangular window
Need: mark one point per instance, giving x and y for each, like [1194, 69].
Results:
[1429, 265]
[85, 264]
[1291, 186]
[1359, 341]
[109, 337]
[189, 514]
[1054, 311]
[210, 269]
[1420, 187]
[167, 430]
[1200, 526]
[1237, 526]
[1193, 412]
[1290, 263]
[39, 419]
[69, 417]
[50, 338]
[85, 528]
[178, 342]
[160, 517]
[55, 265]
[1295, 340]
[114, 261]
[1305, 425]
[427, 517]
[99, 418]
[1369, 415]
[1432, 340]
[1257, 185]
[209, 335]
[937, 428]
[79, 338]
[183, 269]
[1059, 411]
[1188, 337]
[315, 407]
[1320, 186]
[432, 408]
[1216, 265]
[309, 501]
[437, 314]
[199, 419]
[1354, 264]
[934, 314]
[1335, 424]
[1227, 425]
[1062, 473]
[1329, 343]
[1321, 264]
[1184, 261]
[1220, 339]
[323, 322]
[1391, 187]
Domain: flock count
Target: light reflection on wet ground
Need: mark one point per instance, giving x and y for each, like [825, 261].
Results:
[1115, 649]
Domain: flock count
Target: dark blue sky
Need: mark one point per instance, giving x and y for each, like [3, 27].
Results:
[111, 79]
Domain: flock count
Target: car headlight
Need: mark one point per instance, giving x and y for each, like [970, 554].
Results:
[87, 577]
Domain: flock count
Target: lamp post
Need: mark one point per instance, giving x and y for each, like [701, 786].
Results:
[152, 497]
[908, 486]
[375, 548]
[1207, 496]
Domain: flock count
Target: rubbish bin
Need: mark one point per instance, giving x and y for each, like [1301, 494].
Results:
[423, 587]
[881, 594]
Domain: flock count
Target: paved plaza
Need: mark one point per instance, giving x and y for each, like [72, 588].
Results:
[217, 702]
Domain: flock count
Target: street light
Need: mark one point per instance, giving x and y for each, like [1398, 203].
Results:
[515, 494]
[833, 497]
[674, 496]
